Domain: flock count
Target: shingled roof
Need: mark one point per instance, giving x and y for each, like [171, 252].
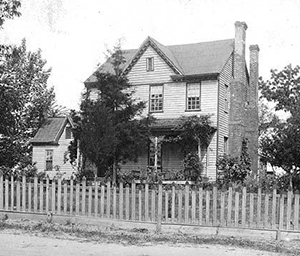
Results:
[186, 59]
[51, 130]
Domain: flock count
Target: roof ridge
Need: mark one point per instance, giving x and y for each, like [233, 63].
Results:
[229, 39]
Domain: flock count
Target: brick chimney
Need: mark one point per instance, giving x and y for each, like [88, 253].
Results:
[238, 89]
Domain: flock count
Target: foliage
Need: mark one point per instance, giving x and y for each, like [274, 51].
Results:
[192, 166]
[234, 169]
[24, 101]
[281, 146]
[111, 130]
[8, 10]
[19, 170]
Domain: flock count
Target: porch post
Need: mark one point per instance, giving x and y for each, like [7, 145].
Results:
[155, 151]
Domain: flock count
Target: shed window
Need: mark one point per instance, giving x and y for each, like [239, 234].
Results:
[150, 64]
[49, 159]
[156, 98]
[193, 96]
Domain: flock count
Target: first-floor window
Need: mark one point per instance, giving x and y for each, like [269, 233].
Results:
[156, 98]
[193, 96]
[49, 159]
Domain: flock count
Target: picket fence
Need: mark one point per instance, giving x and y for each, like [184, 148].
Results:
[187, 204]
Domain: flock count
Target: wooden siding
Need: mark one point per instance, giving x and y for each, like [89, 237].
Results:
[39, 156]
[139, 75]
[93, 94]
[226, 77]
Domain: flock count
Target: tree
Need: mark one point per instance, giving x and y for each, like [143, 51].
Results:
[24, 101]
[8, 10]
[111, 130]
[281, 145]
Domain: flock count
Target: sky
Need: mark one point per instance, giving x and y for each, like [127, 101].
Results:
[74, 35]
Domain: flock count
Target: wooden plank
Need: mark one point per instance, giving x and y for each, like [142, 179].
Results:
[173, 203]
[236, 209]
[215, 203]
[71, 195]
[65, 197]
[1, 191]
[274, 207]
[153, 193]
[200, 205]
[59, 195]
[108, 199]
[266, 211]
[140, 203]
[244, 203]
[186, 202]
[193, 206]
[29, 196]
[23, 193]
[179, 220]
[35, 194]
[90, 202]
[207, 207]
[114, 201]
[77, 198]
[296, 212]
[281, 211]
[83, 196]
[102, 198]
[159, 208]
[146, 202]
[53, 208]
[12, 194]
[258, 207]
[229, 206]
[166, 205]
[96, 201]
[47, 194]
[222, 210]
[127, 202]
[121, 204]
[289, 210]
[41, 195]
[251, 213]
[18, 196]
[133, 200]
[6, 194]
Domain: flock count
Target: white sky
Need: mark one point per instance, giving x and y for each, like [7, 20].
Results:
[74, 34]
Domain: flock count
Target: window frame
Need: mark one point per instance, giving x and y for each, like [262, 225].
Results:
[187, 97]
[226, 102]
[225, 145]
[162, 99]
[150, 60]
[49, 160]
[68, 131]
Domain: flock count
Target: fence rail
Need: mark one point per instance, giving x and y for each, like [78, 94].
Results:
[187, 204]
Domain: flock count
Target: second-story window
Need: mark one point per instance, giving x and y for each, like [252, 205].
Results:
[193, 96]
[150, 64]
[156, 98]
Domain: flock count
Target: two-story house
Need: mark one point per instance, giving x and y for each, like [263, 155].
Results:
[194, 79]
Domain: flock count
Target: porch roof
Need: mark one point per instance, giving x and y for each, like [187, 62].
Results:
[165, 123]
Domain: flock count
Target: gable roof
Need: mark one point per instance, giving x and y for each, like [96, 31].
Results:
[51, 130]
[185, 59]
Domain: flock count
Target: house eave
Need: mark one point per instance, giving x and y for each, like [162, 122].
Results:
[195, 77]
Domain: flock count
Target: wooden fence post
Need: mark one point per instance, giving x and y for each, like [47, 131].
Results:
[258, 207]
[215, 203]
[12, 195]
[159, 207]
[41, 187]
[96, 207]
[200, 204]
[121, 200]
[296, 211]
[23, 193]
[83, 197]
[53, 208]
[6, 194]
[108, 193]
[186, 202]
[133, 195]
[229, 208]
[47, 194]
[1, 190]
[35, 194]
[90, 200]
[77, 200]
[146, 202]
[114, 200]
[289, 209]
[173, 202]
[65, 197]
[244, 203]
[274, 201]
[18, 195]
[193, 205]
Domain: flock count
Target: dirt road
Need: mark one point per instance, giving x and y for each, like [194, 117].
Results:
[19, 243]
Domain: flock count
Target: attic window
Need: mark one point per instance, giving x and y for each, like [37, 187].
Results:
[150, 64]
[68, 132]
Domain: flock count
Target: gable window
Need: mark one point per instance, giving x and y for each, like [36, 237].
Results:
[226, 96]
[68, 132]
[49, 159]
[150, 64]
[193, 96]
[156, 98]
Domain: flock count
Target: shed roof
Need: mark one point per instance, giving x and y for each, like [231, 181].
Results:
[51, 130]
[189, 59]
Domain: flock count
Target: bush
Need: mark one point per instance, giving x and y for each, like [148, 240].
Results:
[19, 170]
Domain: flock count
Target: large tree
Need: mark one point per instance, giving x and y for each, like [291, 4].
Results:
[111, 130]
[280, 146]
[25, 99]
[8, 10]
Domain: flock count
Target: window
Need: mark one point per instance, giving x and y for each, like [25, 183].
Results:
[49, 159]
[225, 145]
[68, 132]
[226, 98]
[156, 98]
[193, 96]
[150, 64]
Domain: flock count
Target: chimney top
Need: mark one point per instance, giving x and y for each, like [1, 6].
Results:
[241, 24]
[254, 47]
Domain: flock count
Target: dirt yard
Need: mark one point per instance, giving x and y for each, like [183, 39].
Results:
[15, 242]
